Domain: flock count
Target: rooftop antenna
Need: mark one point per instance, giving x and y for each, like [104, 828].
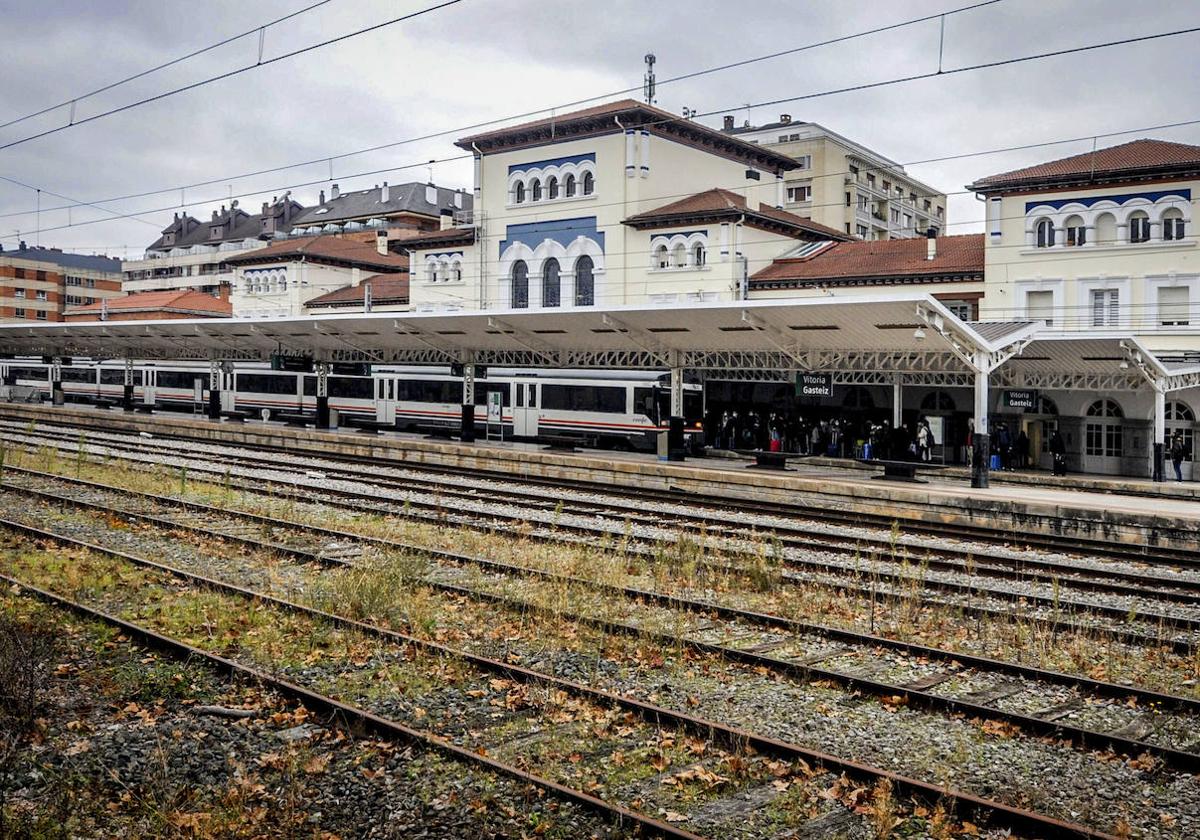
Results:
[648, 80]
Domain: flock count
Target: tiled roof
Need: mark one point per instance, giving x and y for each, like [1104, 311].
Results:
[54, 256]
[327, 249]
[174, 300]
[366, 204]
[436, 239]
[1135, 158]
[719, 203]
[957, 256]
[633, 114]
[385, 288]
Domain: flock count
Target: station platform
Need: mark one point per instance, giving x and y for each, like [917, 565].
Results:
[1126, 510]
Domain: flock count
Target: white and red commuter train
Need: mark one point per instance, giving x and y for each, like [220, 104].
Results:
[607, 409]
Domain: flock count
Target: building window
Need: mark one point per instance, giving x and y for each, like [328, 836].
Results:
[1105, 307]
[1106, 229]
[937, 401]
[519, 193]
[19, 313]
[430, 273]
[20, 293]
[520, 285]
[862, 231]
[1172, 222]
[1139, 227]
[660, 257]
[589, 183]
[570, 186]
[41, 294]
[1105, 440]
[1180, 418]
[1039, 306]
[1045, 233]
[1076, 232]
[90, 283]
[1173, 306]
[18, 273]
[456, 272]
[698, 255]
[804, 161]
[847, 201]
[535, 190]
[907, 220]
[800, 193]
[680, 256]
[961, 308]
[551, 283]
[552, 188]
[585, 282]
[40, 315]
[40, 275]
[895, 216]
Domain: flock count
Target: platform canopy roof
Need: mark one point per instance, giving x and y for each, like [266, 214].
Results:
[1095, 362]
[857, 339]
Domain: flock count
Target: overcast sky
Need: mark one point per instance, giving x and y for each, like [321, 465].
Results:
[483, 60]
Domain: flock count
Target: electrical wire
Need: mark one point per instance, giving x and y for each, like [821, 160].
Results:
[142, 74]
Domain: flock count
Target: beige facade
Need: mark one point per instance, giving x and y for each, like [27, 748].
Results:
[847, 186]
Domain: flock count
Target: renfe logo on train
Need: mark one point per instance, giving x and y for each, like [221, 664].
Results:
[1023, 400]
[814, 384]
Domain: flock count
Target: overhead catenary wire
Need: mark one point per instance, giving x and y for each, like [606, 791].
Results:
[230, 74]
[550, 110]
[75, 100]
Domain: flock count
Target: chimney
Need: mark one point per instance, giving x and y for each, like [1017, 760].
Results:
[446, 217]
[384, 193]
[930, 243]
[321, 197]
[22, 246]
[223, 292]
[381, 242]
[214, 218]
[265, 208]
[784, 119]
[334, 192]
[728, 122]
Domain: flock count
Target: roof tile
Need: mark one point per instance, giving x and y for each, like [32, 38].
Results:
[886, 258]
[329, 248]
[1136, 156]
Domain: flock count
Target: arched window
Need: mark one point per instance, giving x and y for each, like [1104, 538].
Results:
[660, 257]
[1106, 229]
[937, 401]
[551, 283]
[1105, 408]
[535, 190]
[1046, 406]
[680, 256]
[589, 183]
[698, 254]
[1076, 232]
[443, 272]
[1181, 419]
[569, 186]
[519, 193]
[1139, 226]
[1172, 222]
[520, 285]
[585, 283]
[456, 272]
[1045, 233]
[858, 397]
[430, 272]
[1180, 411]
[552, 188]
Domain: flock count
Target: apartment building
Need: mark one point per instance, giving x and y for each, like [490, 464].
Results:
[383, 212]
[844, 185]
[39, 284]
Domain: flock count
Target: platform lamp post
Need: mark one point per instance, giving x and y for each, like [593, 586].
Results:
[56, 388]
[981, 448]
[127, 391]
[675, 437]
[323, 395]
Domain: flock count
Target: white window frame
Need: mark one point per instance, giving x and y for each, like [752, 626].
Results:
[1191, 281]
[1086, 285]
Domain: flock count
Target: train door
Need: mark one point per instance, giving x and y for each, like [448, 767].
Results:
[228, 395]
[525, 408]
[149, 381]
[385, 399]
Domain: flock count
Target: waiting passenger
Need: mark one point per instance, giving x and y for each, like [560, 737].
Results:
[1178, 454]
[1058, 449]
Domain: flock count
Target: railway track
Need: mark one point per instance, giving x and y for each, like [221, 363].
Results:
[704, 511]
[1155, 724]
[897, 570]
[485, 735]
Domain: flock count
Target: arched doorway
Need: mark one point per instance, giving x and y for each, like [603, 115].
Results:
[1181, 420]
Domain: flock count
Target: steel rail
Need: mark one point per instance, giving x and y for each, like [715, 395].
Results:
[971, 804]
[1182, 646]
[918, 698]
[1142, 552]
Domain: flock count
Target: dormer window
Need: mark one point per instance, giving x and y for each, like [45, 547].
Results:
[214, 232]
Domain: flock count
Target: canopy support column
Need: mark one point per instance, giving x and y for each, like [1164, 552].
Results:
[675, 437]
[127, 391]
[1160, 430]
[56, 389]
[214, 390]
[467, 434]
[981, 449]
[897, 403]
[322, 395]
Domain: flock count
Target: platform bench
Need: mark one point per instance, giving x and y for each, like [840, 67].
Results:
[900, 470]
[765, 459]
[295, 419]
[558, 443]
[145, 408]
[366, 425]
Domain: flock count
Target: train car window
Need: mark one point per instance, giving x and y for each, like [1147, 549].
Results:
[267, 383]
[520, 395]
[643, 403]
[532, 396]
[429, 390]
[39, 374]
[482, 390]
[606, 400]
[185, 379]
[693, 407]
[79, 375]
[109, 376]
[350, 388]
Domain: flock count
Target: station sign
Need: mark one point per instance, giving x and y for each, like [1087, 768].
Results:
[814, 384]
[1025, 399]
